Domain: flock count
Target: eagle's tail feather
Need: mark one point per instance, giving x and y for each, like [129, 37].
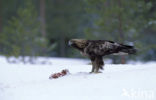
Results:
[128, 49]
[125, 49]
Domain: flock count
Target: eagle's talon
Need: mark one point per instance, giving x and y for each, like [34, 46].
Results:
[91, 72]
[98, 72]
[95, 72]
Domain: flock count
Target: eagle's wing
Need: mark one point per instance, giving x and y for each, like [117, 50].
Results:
[99, 47]
[104, 47]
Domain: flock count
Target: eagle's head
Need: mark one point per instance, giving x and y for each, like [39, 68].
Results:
[79, 44]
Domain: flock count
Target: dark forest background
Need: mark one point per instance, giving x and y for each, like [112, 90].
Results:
[44, 27]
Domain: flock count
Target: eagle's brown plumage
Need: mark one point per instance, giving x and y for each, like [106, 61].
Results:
[96, 49]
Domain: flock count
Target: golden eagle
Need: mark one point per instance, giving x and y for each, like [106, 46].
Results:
[96, 49]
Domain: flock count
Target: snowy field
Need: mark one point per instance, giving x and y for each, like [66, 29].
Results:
[116, 82]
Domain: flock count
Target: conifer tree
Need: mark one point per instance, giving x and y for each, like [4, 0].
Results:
[117, 20]
[22, 37]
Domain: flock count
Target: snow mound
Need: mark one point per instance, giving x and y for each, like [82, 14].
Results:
[117, 82]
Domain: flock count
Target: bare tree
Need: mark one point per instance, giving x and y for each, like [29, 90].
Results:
[42, 17]
[0, 15]
[120, 29]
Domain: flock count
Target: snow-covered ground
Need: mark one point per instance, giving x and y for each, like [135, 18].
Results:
[117, 82]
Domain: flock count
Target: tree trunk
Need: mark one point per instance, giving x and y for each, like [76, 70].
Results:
[0, 15]
[42, 17]
[62, 46]
[123, 60]
[0, 23]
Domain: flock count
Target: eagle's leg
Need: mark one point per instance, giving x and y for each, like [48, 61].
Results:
[98, 64]
[93, 67]
[102, 64]
[96, 69]
[93, 64]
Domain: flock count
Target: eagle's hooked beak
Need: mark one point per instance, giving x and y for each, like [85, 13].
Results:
[70, 43]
